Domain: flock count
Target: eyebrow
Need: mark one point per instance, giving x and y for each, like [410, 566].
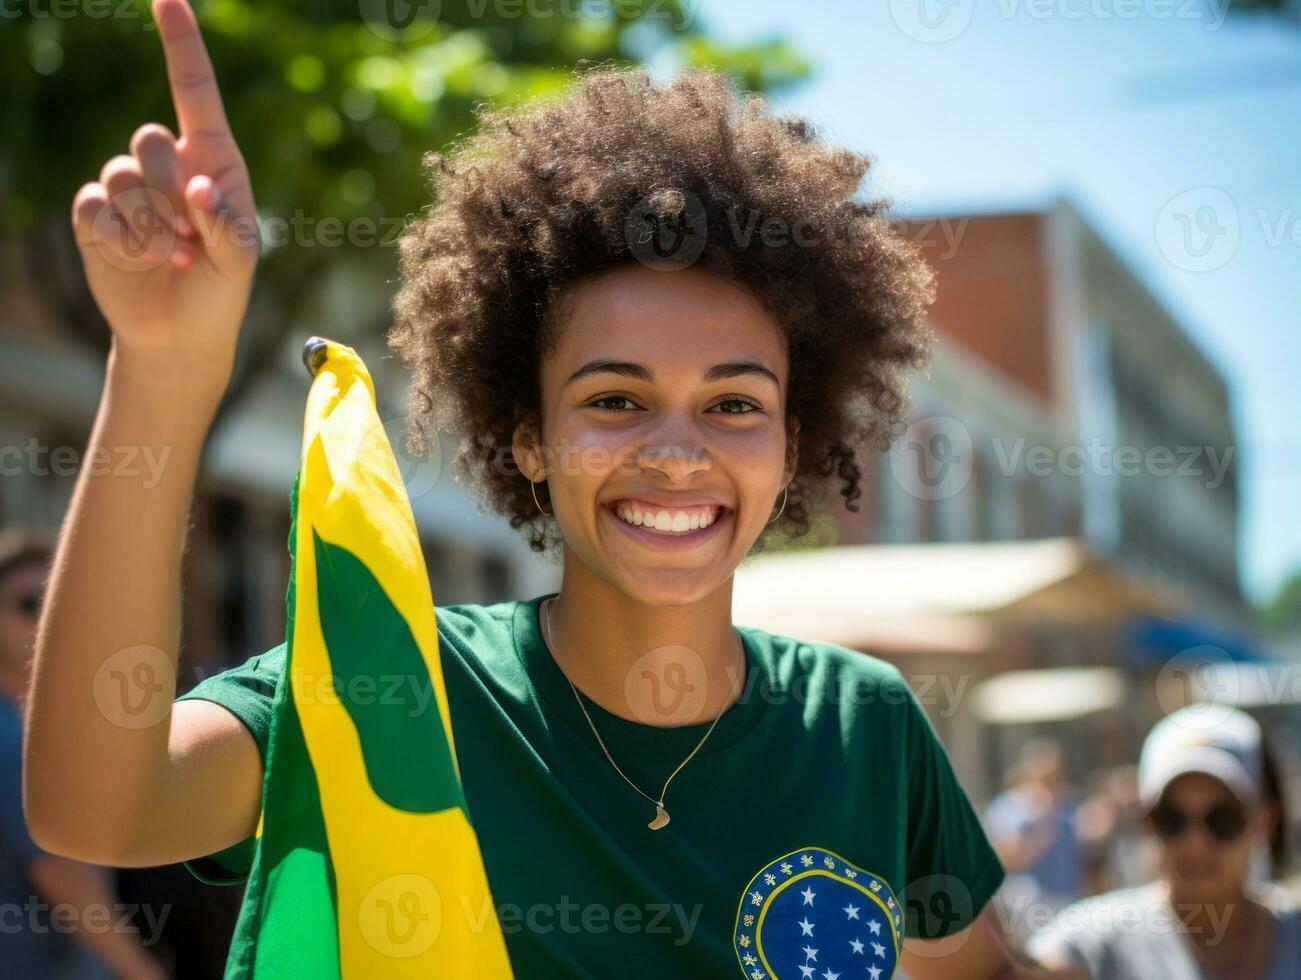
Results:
[719, 372]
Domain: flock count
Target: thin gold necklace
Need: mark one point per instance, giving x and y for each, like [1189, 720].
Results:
[661, 815]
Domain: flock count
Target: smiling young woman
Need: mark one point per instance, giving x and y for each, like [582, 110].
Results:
[664, 329]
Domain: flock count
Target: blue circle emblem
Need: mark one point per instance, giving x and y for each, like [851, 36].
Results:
[812, 915]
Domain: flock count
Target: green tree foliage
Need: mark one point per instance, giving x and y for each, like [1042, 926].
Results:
[333, 103]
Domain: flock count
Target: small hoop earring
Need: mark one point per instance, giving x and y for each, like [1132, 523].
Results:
[533, 489]
[779, 512]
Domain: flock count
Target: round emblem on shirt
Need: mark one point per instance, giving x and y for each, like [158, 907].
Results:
[812, 915]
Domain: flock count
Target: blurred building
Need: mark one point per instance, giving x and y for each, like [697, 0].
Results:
[1060, 519]
[1090, 412]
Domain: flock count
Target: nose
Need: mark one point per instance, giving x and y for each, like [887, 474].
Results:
[675, 451]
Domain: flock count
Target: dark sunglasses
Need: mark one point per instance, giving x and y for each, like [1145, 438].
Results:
[1224, 822]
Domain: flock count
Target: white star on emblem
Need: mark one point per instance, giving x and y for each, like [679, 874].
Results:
[856, 945]
[806, 927]
[851, 911]
[875, 926]
[808, 895]
[878, 949]
[874, 972]
[829, 975]
[806, 971]
[810, 953]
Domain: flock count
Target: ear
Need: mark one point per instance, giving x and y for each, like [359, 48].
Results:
[526, 446]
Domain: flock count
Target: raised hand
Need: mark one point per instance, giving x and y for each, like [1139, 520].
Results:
[168, 233]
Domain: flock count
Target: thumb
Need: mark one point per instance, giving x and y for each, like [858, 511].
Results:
[228, 239]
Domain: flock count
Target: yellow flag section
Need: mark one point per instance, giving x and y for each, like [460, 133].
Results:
[411, 896]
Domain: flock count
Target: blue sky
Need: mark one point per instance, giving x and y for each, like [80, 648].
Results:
[1125, 106]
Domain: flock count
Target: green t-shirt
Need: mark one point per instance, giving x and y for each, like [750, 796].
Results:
[820, 823]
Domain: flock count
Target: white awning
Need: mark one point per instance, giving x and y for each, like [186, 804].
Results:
[1051, 694]
[934, 597]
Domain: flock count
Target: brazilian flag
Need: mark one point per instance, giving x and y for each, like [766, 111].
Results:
[370, 864]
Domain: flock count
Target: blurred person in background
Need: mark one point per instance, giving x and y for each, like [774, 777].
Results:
[1117, 852]
[43, 897]
[1032, 826]
[1213, 804]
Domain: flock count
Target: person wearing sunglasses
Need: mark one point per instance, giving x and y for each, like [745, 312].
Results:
[37, 889]
[1210, 795]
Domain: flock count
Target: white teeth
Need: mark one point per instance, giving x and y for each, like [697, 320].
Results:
[668, 522]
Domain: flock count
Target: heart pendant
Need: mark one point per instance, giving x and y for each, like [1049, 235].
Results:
[661, 818]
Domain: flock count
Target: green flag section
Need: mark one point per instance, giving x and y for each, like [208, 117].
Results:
[372, 866]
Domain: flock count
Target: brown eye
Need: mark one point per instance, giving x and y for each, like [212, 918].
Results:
[749, 406]
[596, 403]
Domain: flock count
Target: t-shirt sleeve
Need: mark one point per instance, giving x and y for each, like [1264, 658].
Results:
[952, 868]
[248, 691]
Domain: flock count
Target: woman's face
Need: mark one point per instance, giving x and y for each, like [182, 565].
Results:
[1199, 867]
[664, 398]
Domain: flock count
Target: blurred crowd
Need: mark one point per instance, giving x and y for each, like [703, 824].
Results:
[1166, 868]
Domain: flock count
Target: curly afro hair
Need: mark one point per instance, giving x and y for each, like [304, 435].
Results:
[568, 186]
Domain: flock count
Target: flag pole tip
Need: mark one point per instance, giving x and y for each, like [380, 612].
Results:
[315, 352]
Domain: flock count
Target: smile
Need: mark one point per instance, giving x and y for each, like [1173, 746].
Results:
[668, 527]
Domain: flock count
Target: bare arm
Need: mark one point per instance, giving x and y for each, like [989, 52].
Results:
[112, 773]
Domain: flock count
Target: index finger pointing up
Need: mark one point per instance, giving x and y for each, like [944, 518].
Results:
[189, 71]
